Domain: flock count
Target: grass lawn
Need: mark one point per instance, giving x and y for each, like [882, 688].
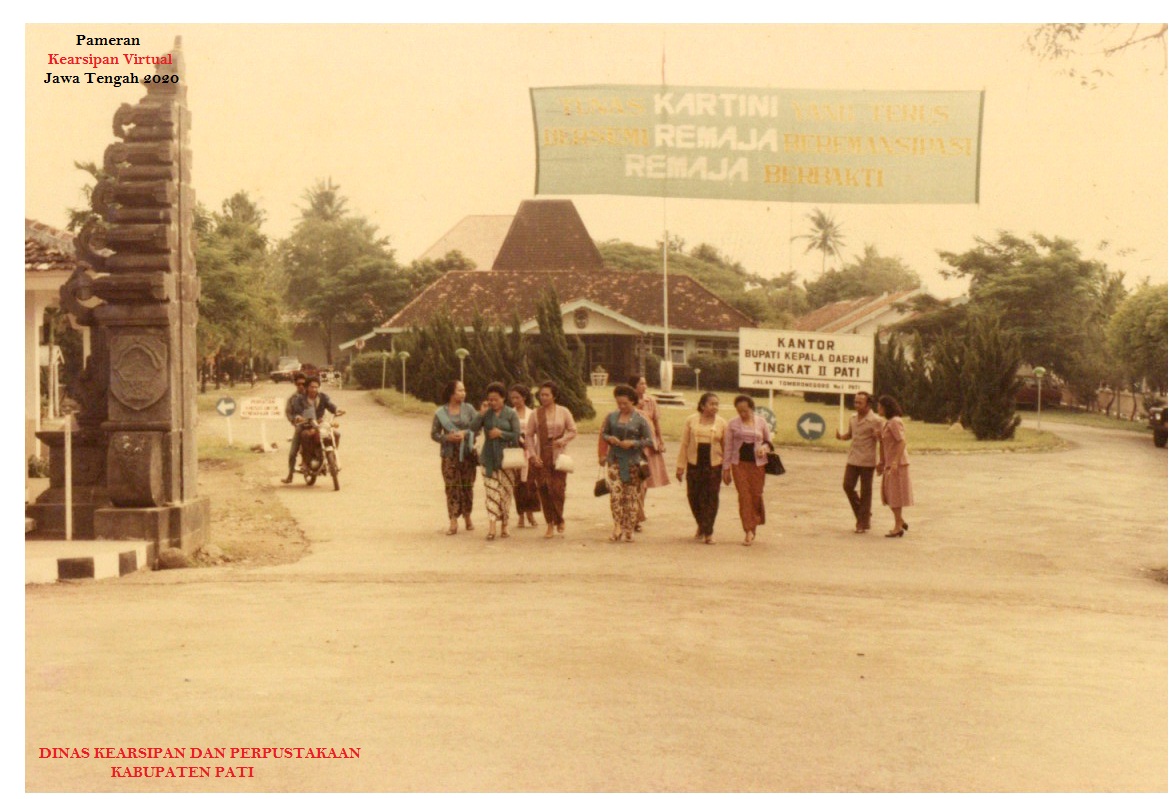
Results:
[1087, 418]
[922, 437]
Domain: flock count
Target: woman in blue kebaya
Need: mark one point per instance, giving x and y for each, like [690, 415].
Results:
[458, 455]
[622, 439]
[502, 429]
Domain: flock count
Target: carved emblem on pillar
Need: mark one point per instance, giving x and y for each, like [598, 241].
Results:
[138, 369]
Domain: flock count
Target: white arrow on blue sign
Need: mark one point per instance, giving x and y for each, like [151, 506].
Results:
[226, 406]
[811, 426]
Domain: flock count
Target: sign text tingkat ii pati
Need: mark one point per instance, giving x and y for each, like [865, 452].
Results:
[759, 144]
[799, 360]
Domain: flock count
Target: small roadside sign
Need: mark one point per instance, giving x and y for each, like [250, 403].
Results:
[811, 426]
[226, 406]
[261, 408]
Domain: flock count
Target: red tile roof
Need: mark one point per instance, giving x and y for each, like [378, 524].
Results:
[497, 295]
[47, 248]
[836, 316]
[547, 235]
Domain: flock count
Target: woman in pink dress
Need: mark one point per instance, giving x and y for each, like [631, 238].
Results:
[658, 471]
[896, 487]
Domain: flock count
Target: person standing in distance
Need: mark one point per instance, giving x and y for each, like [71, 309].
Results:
[295, 440]
[864, 431]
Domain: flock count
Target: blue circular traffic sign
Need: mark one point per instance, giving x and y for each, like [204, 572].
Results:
[226, 406]
[811, 426]
[769, 416]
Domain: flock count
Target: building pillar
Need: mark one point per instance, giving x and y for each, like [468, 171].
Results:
[34, 311]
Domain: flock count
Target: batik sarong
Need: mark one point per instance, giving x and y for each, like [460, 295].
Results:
[625, 499]
[499, 494]
[459, 476]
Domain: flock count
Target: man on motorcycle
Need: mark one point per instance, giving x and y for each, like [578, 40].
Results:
[294, 442]
[310, 406]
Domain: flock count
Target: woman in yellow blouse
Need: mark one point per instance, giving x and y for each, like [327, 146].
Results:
[700, 463]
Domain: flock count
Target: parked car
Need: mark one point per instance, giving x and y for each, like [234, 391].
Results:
[1029, 393]
[1160, 423]
[288, 366]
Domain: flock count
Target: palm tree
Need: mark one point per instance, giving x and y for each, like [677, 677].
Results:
[824, 236]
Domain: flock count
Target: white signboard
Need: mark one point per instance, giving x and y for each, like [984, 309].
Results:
[261, 408]
[800, 360]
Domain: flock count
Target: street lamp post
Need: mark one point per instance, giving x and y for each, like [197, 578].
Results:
[403, 362]
[1039, 373]
[462, 353]
[383, 380]
[697, 379]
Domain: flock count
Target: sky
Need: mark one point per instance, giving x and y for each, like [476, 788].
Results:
[421, 125]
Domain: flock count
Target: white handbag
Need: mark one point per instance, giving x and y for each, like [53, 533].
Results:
[563, 463]
[513, 458]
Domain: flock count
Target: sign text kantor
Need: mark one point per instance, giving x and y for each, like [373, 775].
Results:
[800, 360]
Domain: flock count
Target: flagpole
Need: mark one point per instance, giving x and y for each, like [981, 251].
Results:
[666, 366]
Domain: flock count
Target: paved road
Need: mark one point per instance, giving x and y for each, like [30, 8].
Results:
[1014, 640]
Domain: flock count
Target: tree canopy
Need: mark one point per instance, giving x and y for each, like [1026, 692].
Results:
[337, 269]
[869, 275]
[1139, 334]
[240, 302]
[1045, 293]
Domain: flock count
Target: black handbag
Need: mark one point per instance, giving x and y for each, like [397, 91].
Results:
[645, 470]
[774, 464]
[601, 487]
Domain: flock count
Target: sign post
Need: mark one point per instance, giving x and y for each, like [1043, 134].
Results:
[262, 408]
[69, 477]
[226, 407]
[1039, 373]
[403, 362]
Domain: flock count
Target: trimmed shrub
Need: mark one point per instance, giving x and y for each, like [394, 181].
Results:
[367, 371]
[717, 373]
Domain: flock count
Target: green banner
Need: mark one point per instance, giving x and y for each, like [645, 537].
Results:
[758, 144]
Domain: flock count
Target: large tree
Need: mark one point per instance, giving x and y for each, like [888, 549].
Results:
[338, 270]
[1046, 294]
[240, 303]
[868, 275]
[1139, 334]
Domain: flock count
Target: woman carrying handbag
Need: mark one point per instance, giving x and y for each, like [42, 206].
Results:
[502, 433]
[548, 431]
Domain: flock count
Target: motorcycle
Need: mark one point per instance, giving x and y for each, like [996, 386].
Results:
[318, 449]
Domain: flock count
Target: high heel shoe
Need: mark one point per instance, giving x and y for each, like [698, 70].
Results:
[492, 534]
[904, 525]
[894, 534]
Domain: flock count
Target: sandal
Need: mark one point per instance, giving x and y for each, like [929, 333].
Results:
[505, 533]
[749, 538]
[549, 531]
[709, 539]
[628, 537]
[452, 527]
[468, 522]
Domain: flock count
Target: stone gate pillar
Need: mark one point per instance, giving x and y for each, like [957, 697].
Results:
[146, 277]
